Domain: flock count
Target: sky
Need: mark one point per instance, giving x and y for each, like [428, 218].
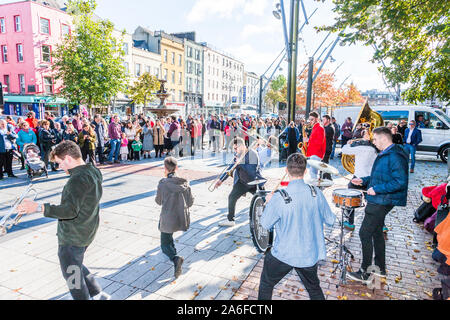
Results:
[247, 30]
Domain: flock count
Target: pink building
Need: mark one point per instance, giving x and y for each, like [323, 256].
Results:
[29, 32]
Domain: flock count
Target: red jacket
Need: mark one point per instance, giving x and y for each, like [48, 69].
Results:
[435, 194]
[317, 143]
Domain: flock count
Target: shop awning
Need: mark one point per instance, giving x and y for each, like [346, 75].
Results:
[34, 99]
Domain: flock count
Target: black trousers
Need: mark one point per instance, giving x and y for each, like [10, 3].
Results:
[85, 152]
[274, 271]
[371, 235]
[82, 284]
[6, 163]
[239, 190]
[130, 150]
[168, 246]
[326, 159]
[158, 150]
[101, 156]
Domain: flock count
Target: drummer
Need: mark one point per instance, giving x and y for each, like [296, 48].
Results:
[247, 171]
[299, 241]
[365, 155]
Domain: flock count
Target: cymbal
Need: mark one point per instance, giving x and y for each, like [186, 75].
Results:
[320, 183]
[323, 167]
[257, 182]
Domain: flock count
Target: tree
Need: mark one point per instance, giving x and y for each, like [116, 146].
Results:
[349, 96]
[144, 89]
[277, 92]
[410, 36]
[324, 93]
[89, 61]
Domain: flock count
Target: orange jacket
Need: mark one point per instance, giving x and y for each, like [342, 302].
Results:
[443, 232]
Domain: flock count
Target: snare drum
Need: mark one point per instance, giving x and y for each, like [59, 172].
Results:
[348, 198]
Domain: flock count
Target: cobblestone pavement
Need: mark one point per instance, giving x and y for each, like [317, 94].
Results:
[411, 272]
[220, 263]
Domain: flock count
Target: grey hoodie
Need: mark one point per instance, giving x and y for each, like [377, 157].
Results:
[175, 196]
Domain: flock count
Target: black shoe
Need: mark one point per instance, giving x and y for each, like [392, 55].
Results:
[117, 161]
[178, 264]
[23, 168]
[360, 276]
[54, 170]
[11, 176]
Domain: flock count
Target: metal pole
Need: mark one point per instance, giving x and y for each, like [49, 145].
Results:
[283, 18]
[309, 88]
[260, 95]
[292, 84]
[326, 58]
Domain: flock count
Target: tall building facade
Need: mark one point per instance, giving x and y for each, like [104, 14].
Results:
[223, 80]
[251, 89]
[171, 50]
[29, 32]
[193, 55]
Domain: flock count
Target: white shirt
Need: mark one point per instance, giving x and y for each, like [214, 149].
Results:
[365, 157]
[408, 141]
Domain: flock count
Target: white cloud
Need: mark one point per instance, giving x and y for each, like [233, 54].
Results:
[271, 27]
[204, 9]
[251, 57]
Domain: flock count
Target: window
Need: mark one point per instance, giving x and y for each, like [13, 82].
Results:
[394, 116]
[125, 48]
[127, 67]
[165, 74]
[173, 77]
[165, 55]
[22, 83]
[180, 95]
[4, 54]
[2, 25]
[46, 53]
[19, 53]
[173, 58]
[429, 120]
[48, 85]
[45, 26]
[180, 60]
[148, 69]
[157, 72]
[65, 30]
[6, 82]
[137, 69]
[180, 79]
[17, 24]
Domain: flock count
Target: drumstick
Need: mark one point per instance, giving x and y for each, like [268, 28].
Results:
[276, 189]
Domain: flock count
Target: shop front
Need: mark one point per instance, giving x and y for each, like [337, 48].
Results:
[21, 105]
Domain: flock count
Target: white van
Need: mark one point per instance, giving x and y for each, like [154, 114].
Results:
[436, 134]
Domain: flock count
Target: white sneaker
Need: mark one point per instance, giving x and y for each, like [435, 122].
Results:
[102, 296]
[227, 224]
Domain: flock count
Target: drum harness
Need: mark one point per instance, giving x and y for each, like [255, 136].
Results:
[287, 198]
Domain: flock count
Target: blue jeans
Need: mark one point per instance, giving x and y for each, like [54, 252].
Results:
[412, 152]
[334, 150]
[115, 150]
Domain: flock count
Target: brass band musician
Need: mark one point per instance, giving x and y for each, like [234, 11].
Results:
[248, 169]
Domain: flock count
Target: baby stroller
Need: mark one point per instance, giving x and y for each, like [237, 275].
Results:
[33, 163]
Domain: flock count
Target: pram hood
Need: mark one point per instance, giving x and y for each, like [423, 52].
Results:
[31, 146]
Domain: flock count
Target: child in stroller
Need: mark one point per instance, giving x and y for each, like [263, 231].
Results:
[34, 165]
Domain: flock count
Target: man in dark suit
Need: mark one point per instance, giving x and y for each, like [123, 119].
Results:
[412, 138]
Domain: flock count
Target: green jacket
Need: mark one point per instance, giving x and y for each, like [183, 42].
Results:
[78, 213]
[136, 146]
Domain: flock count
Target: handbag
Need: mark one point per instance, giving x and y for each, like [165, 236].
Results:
[442, 211]
[430, 223]
[425, 211]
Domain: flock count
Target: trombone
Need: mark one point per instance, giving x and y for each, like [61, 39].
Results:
[259, 137]
[230, 172]
[7, 222]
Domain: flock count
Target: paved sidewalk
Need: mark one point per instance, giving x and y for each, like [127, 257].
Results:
[221, 263]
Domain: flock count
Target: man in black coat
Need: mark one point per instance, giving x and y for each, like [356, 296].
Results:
[329, 137]
[100, 132]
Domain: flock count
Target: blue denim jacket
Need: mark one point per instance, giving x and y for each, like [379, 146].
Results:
[299, 235]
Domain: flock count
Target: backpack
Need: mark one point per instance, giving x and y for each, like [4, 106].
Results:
[430, 223]
[442, 211]
[425, 211]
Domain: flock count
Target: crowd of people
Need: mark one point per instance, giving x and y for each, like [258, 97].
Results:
[114, 140]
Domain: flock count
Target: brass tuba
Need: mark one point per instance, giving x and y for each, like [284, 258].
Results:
[366, 115]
